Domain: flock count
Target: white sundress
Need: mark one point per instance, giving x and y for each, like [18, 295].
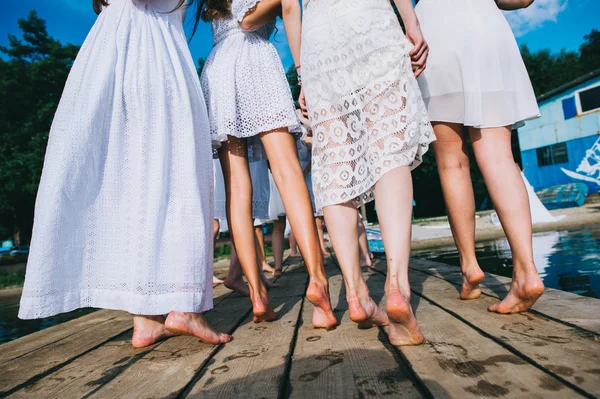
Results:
[244, 82]
[475, 75]
[124, 212]
[364, 103]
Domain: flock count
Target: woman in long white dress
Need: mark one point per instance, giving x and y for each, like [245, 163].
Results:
[249, 104]
[370, 129]
[476, 81]
[124, 208]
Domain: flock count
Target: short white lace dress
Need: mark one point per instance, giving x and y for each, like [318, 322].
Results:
[124, 212]
[244, 82]
[364, 103]
[475, 75]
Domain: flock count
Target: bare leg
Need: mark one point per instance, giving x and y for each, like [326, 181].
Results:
[294, 246]
[287, 174]
[509, 195]
[341, 222]
[319, 223]
[363, 244]
[195, 324]
[216, 227]
[455, 175]
[235, 277]
[278, 244]
[238, 188]
[394, 197]
[260, 249]
[148, 330]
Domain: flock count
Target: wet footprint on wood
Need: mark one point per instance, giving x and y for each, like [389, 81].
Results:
[332, 357]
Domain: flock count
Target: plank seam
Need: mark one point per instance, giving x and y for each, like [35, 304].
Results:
[58, 366]
[536, 312]
[416, 379]
[506, 346]
[185, 391]
[285, 384]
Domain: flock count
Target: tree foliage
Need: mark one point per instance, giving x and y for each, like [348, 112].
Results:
[31, 82]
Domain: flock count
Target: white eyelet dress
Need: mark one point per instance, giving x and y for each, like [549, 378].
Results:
[364, 102]
[124, 212]
[244, 82]
[475, 75]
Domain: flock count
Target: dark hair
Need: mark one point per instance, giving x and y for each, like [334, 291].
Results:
[98, 4]
[213, 9]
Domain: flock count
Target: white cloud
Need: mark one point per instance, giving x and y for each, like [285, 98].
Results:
[534, 16]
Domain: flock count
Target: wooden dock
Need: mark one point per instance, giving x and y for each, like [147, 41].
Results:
[553, 351]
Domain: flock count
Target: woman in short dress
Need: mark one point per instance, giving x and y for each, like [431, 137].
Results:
[250, 105]
[476, 86]
[370, 128]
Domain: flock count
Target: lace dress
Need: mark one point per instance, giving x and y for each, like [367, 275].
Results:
[244, 83]
[475, 75]
[364, 102]
[124, 212]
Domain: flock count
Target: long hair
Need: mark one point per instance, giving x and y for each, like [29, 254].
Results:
[213, 9]
[98, 4]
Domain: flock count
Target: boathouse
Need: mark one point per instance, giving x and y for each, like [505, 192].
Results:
[563, 146]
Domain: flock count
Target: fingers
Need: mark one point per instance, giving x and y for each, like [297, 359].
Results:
[419, 64]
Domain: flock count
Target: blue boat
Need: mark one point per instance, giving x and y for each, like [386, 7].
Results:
[563, 195]
[374, 240]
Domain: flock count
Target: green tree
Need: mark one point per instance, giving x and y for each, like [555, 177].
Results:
[589, 51]
[292, 78]
[31, 83]
[201, 62]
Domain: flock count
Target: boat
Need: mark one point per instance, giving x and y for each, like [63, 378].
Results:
[563, 195]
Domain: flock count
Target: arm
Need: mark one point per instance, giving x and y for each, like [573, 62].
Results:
[513, 4]
[420, 51]
[291, 15]
[261, 14]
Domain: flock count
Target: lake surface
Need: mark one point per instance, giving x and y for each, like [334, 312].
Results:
[567, 260]
[12, 328]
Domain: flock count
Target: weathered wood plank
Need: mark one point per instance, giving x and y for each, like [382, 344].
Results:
[167, 370]
[44, 359]
[560, 350]
[347, 362]
[253, 365]
[458, 362]
[571, 308]
[40, 339]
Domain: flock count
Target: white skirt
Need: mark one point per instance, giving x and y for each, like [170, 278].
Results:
[276, 208]
[220, 195]
[475, 75]
[261, 190]
[124, 211]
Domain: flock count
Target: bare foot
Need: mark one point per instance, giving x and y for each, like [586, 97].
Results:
[325, 254]
[366, 313]
[404, 329]
[262, 308]
[295, 255]
[217, 281]
[148, 330]
[195, 324]
[365, 261]
[318, 295]
[472, 276]
[268, 283]
[266, 268]
[524, 291]
[238, 286]
[277, 272]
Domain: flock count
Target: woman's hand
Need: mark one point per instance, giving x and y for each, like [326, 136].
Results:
[420, 51]
[302, 101]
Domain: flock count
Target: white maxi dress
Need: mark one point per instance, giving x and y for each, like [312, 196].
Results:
[124, 212]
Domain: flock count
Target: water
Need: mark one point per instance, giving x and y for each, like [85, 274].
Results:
[12, 328]
[566, 260]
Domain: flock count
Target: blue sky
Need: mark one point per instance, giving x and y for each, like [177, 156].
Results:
[553, 24]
